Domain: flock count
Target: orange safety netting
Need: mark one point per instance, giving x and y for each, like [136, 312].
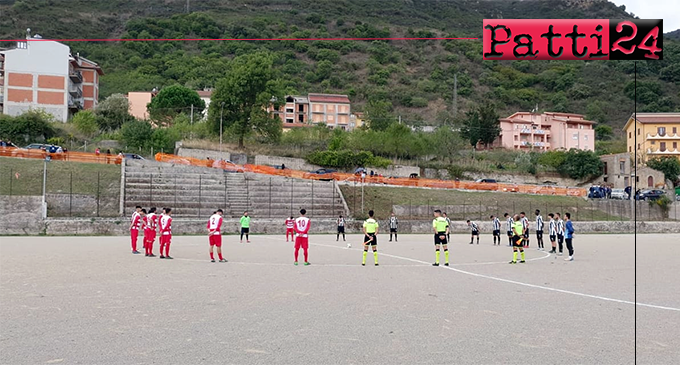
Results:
[61, 156]
[395, 181]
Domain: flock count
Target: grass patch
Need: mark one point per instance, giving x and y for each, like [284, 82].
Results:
[419, 203]
[19, 176]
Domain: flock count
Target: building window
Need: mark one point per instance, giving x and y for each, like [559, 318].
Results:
[289, 110]
[675, 130]
[638, 131]
[675, 145]
[301, 108]
[580, 126]
[575, 137]
[630, 149]
[622, 166]
[661, 131]
[605, 168]
[289, 120]
[638, 146]
[585, 138]
[605, 179]
[662, 146]
[630, 134]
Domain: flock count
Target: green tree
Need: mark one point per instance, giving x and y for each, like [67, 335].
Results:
[670, 166]
[30, 126]
[379, 115]
[580, 164]
[136, 134]
[603, 132]
[86, 123]
[244, 95]
[174, 100]
[481, 125]
[113, 112]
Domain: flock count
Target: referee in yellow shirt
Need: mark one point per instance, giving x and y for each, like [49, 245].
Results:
[441, 230]
[370, 238]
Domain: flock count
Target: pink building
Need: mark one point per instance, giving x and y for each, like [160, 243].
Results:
[138, 100]
[547, 131]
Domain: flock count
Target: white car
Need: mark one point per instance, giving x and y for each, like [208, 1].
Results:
[619, 194]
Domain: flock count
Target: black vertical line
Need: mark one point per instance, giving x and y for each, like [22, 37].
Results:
[635, 201]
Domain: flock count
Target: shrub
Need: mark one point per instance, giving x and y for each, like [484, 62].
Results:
[346, 159]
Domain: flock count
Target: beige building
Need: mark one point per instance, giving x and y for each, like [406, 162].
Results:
[617, 171]
[138, 100]
[39, 74]
[657, 134]
[305, 111]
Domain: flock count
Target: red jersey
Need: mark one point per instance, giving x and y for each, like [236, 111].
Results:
[302, 225]
[151, 221]
[215, 224]
[136, 221]
[290, 223]
[166, 225]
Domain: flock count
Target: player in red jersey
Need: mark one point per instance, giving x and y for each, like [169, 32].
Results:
[135, 224]
[302, 225]
[215, 235]
[165, 224]
[290, 229]
[150, 232]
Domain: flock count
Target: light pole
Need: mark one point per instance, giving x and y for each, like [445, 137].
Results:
[221, 122]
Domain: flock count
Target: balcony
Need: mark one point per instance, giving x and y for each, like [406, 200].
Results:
[75, 76]
[534, 144]
[666, 136]
[74, 103]
[534, 131]
[666, 152]
[75, 91]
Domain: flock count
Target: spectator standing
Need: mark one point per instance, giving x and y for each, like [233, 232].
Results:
[569, 236]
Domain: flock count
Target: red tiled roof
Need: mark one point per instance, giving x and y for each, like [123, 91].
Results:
[328, 98]
[204, 93]
[658, 118]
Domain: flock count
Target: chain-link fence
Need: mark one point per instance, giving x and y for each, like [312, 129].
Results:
[418, 204]
[70, 190]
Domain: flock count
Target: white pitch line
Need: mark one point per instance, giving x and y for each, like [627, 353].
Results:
[282, 264]
[523, 284]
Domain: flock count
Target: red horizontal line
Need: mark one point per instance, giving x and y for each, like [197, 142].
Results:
[228, 39]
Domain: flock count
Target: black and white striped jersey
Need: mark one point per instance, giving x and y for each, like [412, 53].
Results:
[560, 227]
[539, 223]
[474, 227]
[552, 226]
[508, 224]
[394, 222]
[496, 224]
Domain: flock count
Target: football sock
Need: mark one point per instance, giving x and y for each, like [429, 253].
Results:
[514, 255]
[167, 249]
[306, 253]
[364, 260]
[437, 256]
[522, 255]
[219, 254]
[446, 255]
[212, 256]
[297, 250]
[375, 257]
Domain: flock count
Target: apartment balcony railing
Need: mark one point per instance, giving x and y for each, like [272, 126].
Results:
[75, 91]
[75, 103]
[75, 76]
[662, 137]
[666, 151]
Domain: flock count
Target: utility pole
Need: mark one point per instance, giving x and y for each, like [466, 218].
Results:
[192, 113]
[188, 7]
[221, 122]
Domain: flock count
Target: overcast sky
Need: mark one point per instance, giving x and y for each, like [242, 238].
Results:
[668, 10]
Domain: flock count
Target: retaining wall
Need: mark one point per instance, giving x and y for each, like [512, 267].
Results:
[119, 227]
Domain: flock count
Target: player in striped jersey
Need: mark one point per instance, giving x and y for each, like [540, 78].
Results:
[394, 224]
[508, 225]
[448, 225]
[150, 231]
[165, 224]
[496, 230]
[560, 232]
[341, 228]
[474, 228]
[552, 231]
[525, 225]
[539, 230]
[135, 224]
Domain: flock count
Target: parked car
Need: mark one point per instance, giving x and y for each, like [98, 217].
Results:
[651, 194]
[487, 181]
[619, 194]
[596, 192]
[322, 171]
[132, 156]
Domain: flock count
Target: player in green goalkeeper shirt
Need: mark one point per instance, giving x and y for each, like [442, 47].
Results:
[441, 230]
[370, 238]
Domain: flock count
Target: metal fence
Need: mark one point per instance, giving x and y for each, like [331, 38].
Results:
[70, 190]
[497, 205]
